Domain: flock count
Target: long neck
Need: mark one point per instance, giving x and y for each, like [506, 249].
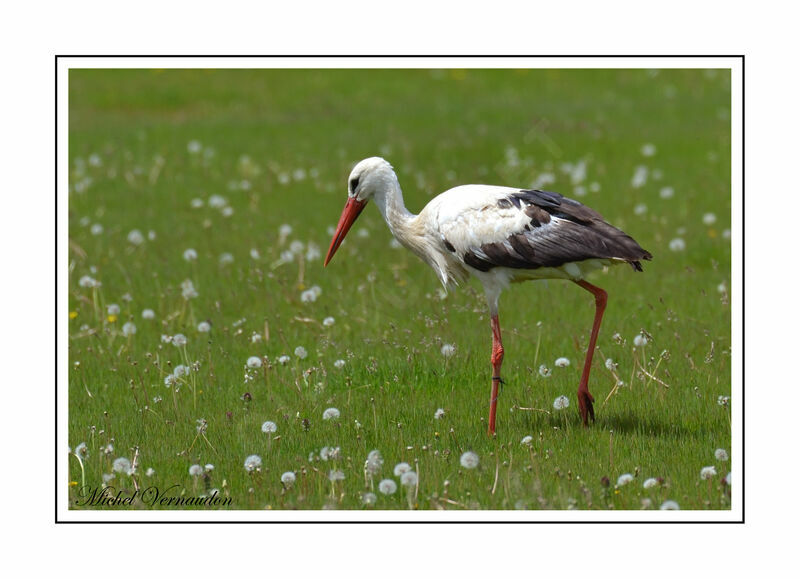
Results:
[389, 200]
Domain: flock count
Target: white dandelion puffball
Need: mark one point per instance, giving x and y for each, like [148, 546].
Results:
[640, 340]
[339, 364]
[209, 467]
[369, 499]
[330, 414]
[624, 479]
[308, 296]
[195, 470]
[561, 402]
[728, 479]
[708, 472]
[328, 322]
[149, 472]
[252, 463]
[648, 150]
[82, 451]
[677, 244]
[225, 259]
[401, 468]
[544, 371]
[610, 364]
[135, 237]
[254, 362]
[148, 314]
[562, 362]
[113, 309]
[217, 202]
[409, 479]
[128, 329]
[526, 440]
[254, 253]
[203, 327]
[179, 340]
[96, 229]
[300, 352]
[88, 281]
[667, 193]
[438, 414]
[374, 462]
[194, 147]
[387, 486]
[190, 254]
[721, 454]
[288, 478]
[670, 506]
[335, 475]
[269, 426]
[197, 203]
[469, 460]
[709, 219]
[283, 360]
[122, 465]
[448, 350]
[650, 483]
[181, 370]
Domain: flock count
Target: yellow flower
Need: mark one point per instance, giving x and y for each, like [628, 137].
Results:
[73, 315]
[73, 483]
[112, 318]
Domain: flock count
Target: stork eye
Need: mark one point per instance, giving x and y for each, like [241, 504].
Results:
[353, 184]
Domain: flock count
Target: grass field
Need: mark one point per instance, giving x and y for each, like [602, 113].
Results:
[207, 198]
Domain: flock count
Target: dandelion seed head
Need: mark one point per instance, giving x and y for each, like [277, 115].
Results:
[148, 314]
[561, 402]
[544, 371]
[300, 352]
[288, 478]
[96, 229]
[469, 460]
[121, 465]
[448, 350]
[438, 414]
[677, 244]
[269, 426]
[82, 451]
[283, 360]
[135, 237]
[179, 340]
[670, 506]
[254, 362]
[328, 322]
[335, 475]
[252, 462]
[721, 454]
[190, 254]
[708, 472]
[408, 479]
[640, 340]
[400, 468]
[374, 462]
[624, 479]
[128, 329]
[709, 218]
[387, 486]
[526, 440]
[195, 470]
[562, 362]
[339, 364]
[368, 499]
[204, 327]
[650, 483]
[330, 414]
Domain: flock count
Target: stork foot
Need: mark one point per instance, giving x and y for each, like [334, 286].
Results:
[586, 406]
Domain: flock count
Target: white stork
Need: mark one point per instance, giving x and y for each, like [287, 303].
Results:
[499, 235]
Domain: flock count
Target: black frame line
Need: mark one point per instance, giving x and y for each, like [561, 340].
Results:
[395, 56]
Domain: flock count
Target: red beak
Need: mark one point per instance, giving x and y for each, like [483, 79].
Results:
[352, 210]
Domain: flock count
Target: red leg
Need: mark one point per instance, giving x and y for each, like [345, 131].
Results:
[585, 399]
[497, 361]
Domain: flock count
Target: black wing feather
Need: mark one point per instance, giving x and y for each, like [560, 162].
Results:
[581, 234]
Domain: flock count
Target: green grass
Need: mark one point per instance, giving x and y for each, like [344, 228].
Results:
[278, 145]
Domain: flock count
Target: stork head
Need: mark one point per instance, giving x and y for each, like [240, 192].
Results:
[367, 177]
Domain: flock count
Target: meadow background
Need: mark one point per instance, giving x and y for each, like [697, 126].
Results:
[202, 201]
